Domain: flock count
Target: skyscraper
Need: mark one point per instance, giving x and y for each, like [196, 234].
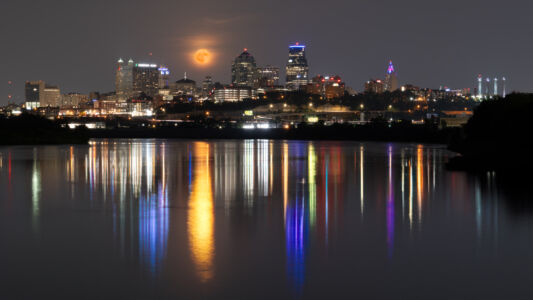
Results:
[297, 68]
[391, 79]
[33, 94]
[164, 77]
[244, 70]
[146, 79]
[124, 80]
[268, 76]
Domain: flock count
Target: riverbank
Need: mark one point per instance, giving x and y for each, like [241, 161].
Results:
[497, 137]
[418, 134]
[33, 130]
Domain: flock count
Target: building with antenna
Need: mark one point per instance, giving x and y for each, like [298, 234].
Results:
[391, 79]
[185, 86]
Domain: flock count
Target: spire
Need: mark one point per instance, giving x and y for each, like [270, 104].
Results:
[390, 69]
[185, 75]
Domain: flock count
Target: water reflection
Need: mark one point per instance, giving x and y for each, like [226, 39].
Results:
[200, 219]
[310, 196]
[35, 189]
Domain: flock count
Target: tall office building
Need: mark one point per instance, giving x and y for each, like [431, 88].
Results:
[164, 77]
[268, 76]
[244, 70]
[51, 97]
[391, 79]
[124, 80]
[207, 84]
[33, 94]
[297, 68]
[146, 79]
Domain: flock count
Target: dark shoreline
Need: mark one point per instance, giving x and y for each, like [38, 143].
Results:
[414, 134]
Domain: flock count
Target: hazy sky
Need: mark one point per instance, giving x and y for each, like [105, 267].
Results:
[75, 44]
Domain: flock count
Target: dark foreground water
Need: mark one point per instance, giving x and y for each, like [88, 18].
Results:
[140, 219]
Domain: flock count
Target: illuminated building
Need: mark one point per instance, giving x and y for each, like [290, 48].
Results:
[374, 86]
[268, 76]
[330, 87]
[33, 93]
[124, 80]
[234, 94]
[164, 77]
[185, 86]
[297, 68]
[207, 87]
[51, 96]
[391, 79]
[73, 99]
[146, 79]
[244, 70]
[207, 84]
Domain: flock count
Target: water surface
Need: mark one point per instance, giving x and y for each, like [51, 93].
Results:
[141, 219]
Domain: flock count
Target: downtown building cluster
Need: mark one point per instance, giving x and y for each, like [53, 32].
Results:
[147, 90]
[141, 87]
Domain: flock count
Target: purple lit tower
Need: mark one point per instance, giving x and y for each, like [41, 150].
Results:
[391, 79]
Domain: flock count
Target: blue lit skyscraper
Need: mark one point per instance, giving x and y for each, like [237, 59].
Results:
[297, 68]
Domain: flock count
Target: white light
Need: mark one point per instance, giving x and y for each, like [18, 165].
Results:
[263, 126]
[248, 126]
[146, 65]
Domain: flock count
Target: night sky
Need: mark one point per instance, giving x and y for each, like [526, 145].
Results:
[75, 44]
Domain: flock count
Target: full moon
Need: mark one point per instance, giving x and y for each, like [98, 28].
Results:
[202, 56]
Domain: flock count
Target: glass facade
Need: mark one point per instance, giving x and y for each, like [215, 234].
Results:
[297, 68]
[244, 70]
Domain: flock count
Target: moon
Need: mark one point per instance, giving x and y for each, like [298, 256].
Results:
[202, 57]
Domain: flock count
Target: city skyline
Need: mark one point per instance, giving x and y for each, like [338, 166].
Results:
[350, 42]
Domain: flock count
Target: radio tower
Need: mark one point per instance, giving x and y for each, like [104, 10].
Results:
[479, 86]
[487, 93]
[9, 91]
[504, 87]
